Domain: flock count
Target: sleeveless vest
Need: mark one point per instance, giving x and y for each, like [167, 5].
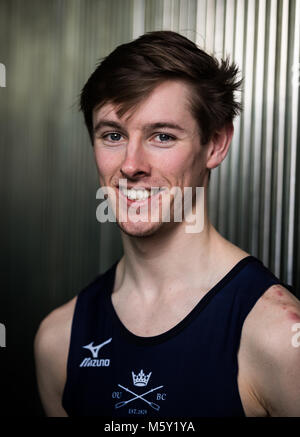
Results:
[188, 371]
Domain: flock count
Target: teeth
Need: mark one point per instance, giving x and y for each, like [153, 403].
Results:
[140, 194]
[155, 191]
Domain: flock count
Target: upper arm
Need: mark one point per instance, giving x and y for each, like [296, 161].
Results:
[51, 346]
[272, 336]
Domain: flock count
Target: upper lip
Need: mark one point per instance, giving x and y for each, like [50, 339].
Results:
[128, 187]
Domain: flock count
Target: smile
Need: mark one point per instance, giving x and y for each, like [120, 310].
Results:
[140, 194]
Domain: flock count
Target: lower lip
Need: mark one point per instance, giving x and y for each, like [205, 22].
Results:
[136, 202]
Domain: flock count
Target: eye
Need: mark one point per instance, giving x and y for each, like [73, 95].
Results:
[164, 138]
[112, 136]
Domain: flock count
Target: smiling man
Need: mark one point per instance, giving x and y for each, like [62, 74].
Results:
[185, 324]
[170, 159]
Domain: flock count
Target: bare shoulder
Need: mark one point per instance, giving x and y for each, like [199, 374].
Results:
[270, 352]
[59, 321]
[51, 345]
[273, 317]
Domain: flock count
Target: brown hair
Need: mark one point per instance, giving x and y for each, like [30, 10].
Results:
[133, 70]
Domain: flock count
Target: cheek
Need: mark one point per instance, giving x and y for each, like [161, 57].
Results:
[186, 165]
[168, 164]
[106, 162]
[173, 161]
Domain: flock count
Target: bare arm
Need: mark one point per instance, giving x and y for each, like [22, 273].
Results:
[51, 347]
[271, 353]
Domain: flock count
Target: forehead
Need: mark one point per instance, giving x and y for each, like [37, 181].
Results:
[169, 101]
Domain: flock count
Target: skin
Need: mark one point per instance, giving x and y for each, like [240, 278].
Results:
[154, 287]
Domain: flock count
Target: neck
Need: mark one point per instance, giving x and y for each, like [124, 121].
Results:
[152, 265]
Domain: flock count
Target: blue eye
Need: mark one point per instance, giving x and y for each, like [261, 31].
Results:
[165, 137]
[114, 136]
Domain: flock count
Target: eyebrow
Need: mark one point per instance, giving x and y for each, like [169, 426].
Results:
[147, 127]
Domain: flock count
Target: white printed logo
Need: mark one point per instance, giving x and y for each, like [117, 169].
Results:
[88, 362]
[139, 380]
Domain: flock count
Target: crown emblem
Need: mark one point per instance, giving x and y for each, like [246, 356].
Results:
[141, 380]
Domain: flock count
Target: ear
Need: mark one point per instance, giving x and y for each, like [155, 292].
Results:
[219, 146]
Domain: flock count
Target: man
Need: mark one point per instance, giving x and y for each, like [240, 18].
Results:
[186, 324]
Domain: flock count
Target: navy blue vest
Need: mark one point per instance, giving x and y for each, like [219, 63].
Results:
[188, 371]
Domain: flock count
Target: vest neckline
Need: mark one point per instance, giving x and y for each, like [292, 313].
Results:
[203, 302]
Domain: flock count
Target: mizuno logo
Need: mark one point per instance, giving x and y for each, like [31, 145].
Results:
[88, 362]
[95, 349]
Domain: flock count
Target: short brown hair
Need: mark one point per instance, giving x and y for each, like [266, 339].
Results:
[133, 70]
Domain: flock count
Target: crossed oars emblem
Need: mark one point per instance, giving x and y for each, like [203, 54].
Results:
[152, 404]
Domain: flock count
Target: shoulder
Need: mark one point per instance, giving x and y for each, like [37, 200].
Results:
[272, 350]
[55, 329]
[273, 317]
[51, 345]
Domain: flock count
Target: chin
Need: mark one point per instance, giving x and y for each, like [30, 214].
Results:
[139, 230]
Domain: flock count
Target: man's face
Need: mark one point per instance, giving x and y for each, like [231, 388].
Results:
[156, 145]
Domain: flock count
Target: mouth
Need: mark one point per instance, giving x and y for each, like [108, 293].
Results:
[140, 195]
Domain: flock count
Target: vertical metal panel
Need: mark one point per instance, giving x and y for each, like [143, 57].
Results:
[219, 28]
[259, 66]
[247, 133]
[209, 48]
[218, 13]
[210, 26]
[187, 18]
[269, 99]
[138, 22]
[224, 200]
[235, 177]
[154, 15]
[294, 96]
[201, 23]
[171, 15]
[280, 123]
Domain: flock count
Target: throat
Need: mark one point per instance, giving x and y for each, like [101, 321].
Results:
[151, 319]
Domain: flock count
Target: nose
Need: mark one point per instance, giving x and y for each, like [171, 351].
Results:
[136, 163]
